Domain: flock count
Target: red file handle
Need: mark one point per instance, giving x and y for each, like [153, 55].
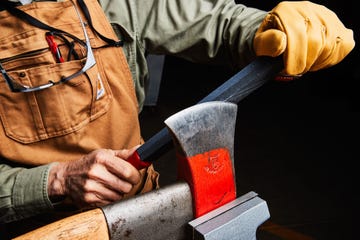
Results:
[54, 47]
[136, 161]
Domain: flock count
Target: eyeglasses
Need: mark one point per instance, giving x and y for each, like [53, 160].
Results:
[90, 62]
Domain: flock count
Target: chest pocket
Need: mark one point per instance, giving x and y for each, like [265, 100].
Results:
[24, 53]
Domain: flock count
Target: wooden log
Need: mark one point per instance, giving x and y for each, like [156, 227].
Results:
[88, 225]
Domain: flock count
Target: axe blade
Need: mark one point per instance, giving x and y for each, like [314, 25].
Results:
[203, 137]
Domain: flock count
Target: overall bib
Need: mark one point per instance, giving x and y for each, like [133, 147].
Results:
[97, 109]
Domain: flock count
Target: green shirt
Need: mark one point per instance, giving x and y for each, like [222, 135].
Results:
[202, 31]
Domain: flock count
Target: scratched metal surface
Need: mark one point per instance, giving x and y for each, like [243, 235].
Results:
[203, 127]
[157, 215]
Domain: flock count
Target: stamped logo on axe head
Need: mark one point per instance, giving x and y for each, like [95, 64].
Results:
[203, 136]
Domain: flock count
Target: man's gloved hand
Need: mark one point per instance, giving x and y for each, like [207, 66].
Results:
[310, 37]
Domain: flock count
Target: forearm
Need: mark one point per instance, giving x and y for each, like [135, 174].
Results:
[217, 32]
[23, 192]
[224, 36]
[220, 32]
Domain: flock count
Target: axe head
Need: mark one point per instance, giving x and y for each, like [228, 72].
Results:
[203, 136]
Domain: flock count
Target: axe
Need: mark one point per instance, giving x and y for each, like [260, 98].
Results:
[203, 137]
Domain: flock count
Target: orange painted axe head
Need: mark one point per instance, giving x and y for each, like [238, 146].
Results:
[203, 136]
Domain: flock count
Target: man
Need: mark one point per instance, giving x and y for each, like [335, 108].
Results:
[65, 136]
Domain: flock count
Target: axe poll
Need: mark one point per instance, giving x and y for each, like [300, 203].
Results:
[203, 137]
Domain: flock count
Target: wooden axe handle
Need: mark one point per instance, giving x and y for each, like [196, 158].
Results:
[88, 225]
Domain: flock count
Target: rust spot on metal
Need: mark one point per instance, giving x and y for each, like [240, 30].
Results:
[116, 224]
[127, 233]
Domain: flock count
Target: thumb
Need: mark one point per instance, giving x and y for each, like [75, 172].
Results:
[126, 153]
[271, 42]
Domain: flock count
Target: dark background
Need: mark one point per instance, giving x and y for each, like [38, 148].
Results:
[296, 143]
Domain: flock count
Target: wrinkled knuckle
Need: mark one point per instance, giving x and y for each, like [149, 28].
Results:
[136, 178]
[92, 173]
[127, 173]
[100, 156]
[88, 199]
[127, 188]
[86, 186]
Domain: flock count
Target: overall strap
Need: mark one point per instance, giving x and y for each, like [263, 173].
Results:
[26, 17]
[86, 12]
[37, 23]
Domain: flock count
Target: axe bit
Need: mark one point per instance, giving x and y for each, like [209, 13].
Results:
[203, 136]
[239, 86]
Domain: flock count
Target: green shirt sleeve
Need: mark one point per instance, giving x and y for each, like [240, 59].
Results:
[217, 32]
[23, 192]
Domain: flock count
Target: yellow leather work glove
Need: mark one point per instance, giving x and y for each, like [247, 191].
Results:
[310, 37]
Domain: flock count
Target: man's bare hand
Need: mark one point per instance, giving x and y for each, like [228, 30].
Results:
[97, 179]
